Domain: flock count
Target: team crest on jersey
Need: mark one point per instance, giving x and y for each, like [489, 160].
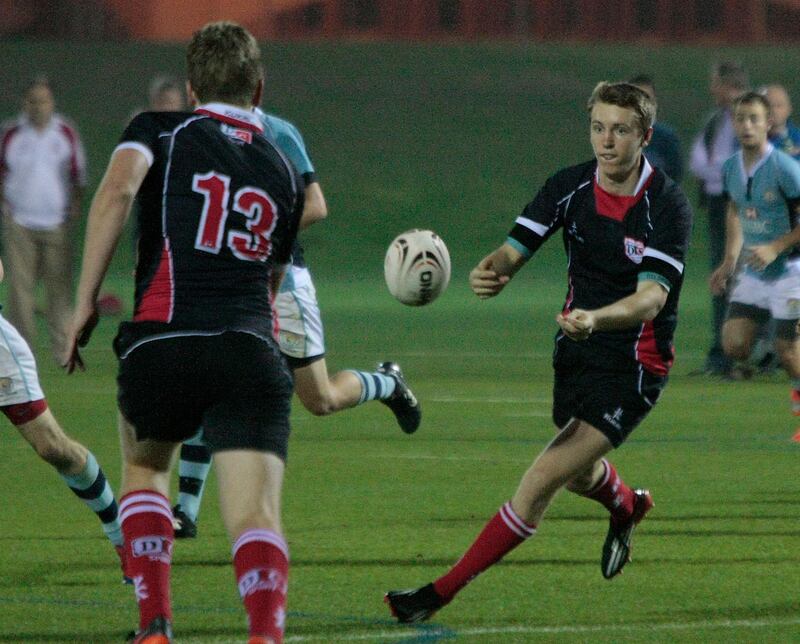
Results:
[634, 250]
[240, 134]
[769, 196]
[751, 213]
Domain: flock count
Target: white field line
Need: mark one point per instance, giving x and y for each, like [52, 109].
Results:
[429, 633]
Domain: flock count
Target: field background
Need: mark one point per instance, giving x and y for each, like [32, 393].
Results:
[456, 138]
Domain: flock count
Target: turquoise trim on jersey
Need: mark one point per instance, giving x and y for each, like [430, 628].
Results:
[649, 276]
[288, 138]
[760, 199]
[520, 248]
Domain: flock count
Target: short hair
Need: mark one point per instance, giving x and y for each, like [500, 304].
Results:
[731, 73]
[628, 96]
[223, 62]
[161, 84]
[749, 98]
[643, 79]
[40, 80]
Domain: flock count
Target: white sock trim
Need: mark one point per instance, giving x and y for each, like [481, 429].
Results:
[514, 523]
[265, 536]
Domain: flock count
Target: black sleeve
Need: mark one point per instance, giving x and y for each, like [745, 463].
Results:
[142, 130]
[538, 220]
[309, 178]
[668, 241]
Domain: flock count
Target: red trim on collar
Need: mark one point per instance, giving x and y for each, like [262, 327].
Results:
[616, 206]
[229, 120]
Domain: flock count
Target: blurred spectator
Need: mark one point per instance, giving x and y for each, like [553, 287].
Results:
[715, 143]
[43, 173]
[783, 134]
[664, 151]
[166, 95]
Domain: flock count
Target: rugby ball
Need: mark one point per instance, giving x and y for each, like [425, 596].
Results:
[417, 267]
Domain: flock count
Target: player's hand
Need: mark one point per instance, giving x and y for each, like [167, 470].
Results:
[761, 256]
[84, 320]
[718, 282]
[484, 281]
[577, 324]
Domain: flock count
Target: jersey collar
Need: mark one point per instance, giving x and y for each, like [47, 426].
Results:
[232, 115]
[757, 164]
[644, 177]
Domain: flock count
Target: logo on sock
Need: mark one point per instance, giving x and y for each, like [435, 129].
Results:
[259, 579]
[140, 588]
[155, 547]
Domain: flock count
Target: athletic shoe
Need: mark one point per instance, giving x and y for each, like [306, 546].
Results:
[402, 402]
[184, 527]
[617, 548]
[796, 402]
[121, 554]
[410, 606]
[158, 631]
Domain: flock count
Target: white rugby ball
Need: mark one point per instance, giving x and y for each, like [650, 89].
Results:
[417, 267]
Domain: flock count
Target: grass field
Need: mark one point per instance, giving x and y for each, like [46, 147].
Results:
[456, 138]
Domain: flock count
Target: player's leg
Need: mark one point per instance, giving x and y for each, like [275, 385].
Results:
[748, 311]
[22, 400]
[147, 529]
[194, 467]
[785, 295]
[21, 258]
[739, 334]
[573, 450]
[302, 341]
[248, 431]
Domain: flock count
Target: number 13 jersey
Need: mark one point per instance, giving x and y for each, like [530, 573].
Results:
[218, 211]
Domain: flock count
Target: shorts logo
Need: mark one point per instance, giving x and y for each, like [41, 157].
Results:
[292, 343]
[154, 547]
[614, 419]
[634, 250]
[6, 385]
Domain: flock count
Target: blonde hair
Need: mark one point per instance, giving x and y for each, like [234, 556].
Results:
[627, 96]
[223, 63]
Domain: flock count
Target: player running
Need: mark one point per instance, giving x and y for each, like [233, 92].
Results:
[763, 185]
[219, 212]
[302, 342]
[626, 228]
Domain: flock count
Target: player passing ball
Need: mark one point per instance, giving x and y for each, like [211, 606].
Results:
[625, 227]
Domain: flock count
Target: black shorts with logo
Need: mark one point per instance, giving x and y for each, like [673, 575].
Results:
[234, 385]
[612, 398]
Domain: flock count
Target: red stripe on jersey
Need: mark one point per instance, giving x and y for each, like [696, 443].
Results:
[72, 137]
[229, 120]
[616, 206]
[4, 145]
[647, 353]
[159, 297]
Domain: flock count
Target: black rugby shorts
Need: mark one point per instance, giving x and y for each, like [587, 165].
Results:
[613, 400]
[234, 385]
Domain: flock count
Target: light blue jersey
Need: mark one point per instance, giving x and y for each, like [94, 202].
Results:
[762, 200]
[288, 138]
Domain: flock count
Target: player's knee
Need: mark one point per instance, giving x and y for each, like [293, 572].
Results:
[736, 348]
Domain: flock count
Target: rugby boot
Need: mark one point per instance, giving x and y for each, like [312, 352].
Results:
[184, 527]
[617, 547]
[158, 631]
[121, 554]
[402, 402]
[410, 606]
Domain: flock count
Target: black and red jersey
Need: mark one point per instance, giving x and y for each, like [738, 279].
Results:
[612, 242]
[218, 210]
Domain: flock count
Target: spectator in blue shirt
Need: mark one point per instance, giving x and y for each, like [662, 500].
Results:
[784, 134]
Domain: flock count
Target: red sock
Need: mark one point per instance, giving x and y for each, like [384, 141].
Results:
[612, 493]
[504, 532]
[261, 559]
[147, 528]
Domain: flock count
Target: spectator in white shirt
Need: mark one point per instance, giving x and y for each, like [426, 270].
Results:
[42, 175]
[713, 145]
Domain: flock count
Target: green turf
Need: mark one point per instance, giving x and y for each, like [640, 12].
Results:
[454, 137]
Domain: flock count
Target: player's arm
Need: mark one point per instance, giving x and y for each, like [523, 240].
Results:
[495, 270]
[762, 255]
[315, 208]
[643, 305]
[733, 247]
[107, 215]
